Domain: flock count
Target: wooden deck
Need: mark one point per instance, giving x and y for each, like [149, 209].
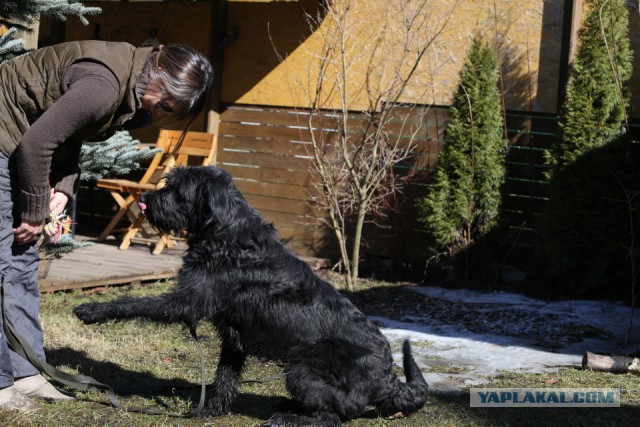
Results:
[103, 264]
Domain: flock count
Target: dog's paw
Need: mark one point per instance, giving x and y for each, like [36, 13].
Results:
[283, 420]
[276, 420]
[89, 312]
[320, 419]
[214, 408]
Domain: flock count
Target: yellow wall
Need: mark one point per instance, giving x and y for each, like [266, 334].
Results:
[253, 74]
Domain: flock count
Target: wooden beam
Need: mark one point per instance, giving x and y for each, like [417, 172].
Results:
[571, 23]
[218, 31]
[576, 22]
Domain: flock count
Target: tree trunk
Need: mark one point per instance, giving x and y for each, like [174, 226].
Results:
[355, 252]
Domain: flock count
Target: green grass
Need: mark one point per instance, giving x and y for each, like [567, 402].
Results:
[156, 366]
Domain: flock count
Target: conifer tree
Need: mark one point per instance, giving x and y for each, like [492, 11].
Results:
[464, 202]
[594, 112]
[17, 15]
[587, 230]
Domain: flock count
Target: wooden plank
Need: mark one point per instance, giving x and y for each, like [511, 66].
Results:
[278, 116]
[292, 164]
[284, 191]
[267, 174]
[287, 220]
[264, 132]
[527, 155]
[269, 145]
[295, 207]
[285, 117]
[81, 283]
[517, 202]
[526, 171]
[284, 169]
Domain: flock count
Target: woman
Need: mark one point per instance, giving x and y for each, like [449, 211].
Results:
[52, 100]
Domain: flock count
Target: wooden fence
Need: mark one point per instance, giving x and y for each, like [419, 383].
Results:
[268, 152]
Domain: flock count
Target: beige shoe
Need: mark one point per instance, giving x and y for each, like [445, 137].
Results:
[38, 386]
[12, 400]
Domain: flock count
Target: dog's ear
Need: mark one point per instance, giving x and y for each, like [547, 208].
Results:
[216, 202]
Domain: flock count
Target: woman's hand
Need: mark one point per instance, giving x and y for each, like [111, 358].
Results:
[27, 232]
[58, 201]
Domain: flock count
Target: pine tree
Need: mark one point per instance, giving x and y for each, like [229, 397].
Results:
[594, 112]
[17, 15]
[464, 202]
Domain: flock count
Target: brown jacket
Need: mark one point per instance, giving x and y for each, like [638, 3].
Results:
[31, 84]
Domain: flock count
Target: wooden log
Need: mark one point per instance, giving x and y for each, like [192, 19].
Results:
[618, 364]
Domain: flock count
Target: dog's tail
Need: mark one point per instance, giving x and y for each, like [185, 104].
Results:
[410, 396]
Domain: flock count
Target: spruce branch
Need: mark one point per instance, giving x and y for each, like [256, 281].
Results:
[116, 156]
[19, 15]
[64, 245]
[9, 45]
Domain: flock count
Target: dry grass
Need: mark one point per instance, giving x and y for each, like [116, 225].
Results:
[156, 366]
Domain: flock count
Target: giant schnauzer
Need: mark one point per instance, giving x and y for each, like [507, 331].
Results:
[265, 302]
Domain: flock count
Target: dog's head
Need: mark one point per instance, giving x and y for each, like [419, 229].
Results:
[194, 198]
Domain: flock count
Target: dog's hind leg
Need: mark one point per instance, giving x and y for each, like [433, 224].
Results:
[316, 419]
[319, 377]
[225, 386]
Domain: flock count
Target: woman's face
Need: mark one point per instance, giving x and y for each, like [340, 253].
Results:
[153, 101]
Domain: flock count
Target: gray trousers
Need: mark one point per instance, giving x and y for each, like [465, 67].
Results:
[19, 276]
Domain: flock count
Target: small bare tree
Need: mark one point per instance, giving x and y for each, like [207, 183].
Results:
[363, 81]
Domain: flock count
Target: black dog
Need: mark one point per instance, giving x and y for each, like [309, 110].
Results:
[266, 302]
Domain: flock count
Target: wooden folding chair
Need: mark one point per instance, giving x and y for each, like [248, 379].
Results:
[198, 148]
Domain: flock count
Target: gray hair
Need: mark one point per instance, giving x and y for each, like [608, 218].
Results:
[184, 75]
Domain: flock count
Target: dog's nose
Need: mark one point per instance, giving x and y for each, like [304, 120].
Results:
[142, 202]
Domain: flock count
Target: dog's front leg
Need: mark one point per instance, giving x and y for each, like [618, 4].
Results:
[167, 308]
[225, 386]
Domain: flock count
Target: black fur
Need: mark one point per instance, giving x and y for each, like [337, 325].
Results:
[266, 302]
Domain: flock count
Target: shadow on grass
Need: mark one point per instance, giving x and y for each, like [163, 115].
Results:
[128, 383]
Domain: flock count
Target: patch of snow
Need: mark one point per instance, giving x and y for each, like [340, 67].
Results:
[477, 335]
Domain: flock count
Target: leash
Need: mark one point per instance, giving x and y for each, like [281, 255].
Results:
[265, 379]
[86, 383]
